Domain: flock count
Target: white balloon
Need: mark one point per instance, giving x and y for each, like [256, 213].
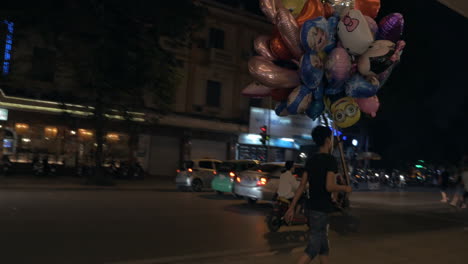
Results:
[354, 32]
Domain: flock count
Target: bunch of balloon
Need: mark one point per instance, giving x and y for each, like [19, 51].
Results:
[325, 56]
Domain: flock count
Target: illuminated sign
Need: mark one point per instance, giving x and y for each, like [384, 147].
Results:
[254, 139]
[3, 114]
[293, 126]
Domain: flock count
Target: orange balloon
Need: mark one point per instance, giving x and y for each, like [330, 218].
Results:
[279, 48]
[312, 9]
[368, 7]
[329, 10]
[280, 94]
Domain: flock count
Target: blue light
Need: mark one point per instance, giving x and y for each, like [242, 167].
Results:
[345, 137]
[9, 42]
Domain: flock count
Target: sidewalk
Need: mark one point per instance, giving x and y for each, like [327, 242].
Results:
[74, 183]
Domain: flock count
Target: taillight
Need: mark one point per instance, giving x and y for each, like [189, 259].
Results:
[238, 179]
[262, 181]
[232, 174]
[214, 172]
[190, 170]
[177, 171]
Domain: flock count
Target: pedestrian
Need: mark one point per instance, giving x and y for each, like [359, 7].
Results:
[443, 183]
[457, 199]
[320, 173]
[464, 181]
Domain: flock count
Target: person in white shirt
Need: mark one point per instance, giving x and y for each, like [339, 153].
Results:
[288, 183]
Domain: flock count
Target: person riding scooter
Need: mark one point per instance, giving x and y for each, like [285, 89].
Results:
[288, 184]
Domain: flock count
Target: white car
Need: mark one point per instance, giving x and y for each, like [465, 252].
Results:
[197, 174]
[261, 182]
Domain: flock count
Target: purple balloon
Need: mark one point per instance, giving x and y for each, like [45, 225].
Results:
[391, 27]
[267, 73]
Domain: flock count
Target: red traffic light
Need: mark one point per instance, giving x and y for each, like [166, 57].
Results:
[263, 128]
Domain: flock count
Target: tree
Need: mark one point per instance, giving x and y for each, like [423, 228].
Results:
[113, 48]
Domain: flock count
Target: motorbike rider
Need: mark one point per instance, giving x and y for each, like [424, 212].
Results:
[288, 184]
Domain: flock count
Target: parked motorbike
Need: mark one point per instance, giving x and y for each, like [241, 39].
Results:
[276, 218]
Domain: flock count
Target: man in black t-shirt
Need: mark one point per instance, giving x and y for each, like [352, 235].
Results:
[320, 174]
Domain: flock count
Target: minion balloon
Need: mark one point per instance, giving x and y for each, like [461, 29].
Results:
[345, 112]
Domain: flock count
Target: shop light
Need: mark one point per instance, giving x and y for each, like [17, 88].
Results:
[26, 140]
[287, 139]
[253, 136]
[112, 137]
[355, 142]
[21, 126]
[73, 132]
[303, 155]
[50, 132]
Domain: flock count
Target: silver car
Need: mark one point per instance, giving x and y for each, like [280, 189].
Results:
[197, 174]
[261, 182]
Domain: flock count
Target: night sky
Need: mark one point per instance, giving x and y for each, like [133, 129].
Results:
[423, 114]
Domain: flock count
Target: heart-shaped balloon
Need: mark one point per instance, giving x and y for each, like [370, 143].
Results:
[289, 31]
[279, 48]
[262, 47]
[267, 73]
[256, 90]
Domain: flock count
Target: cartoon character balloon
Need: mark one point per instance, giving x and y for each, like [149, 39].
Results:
[377, 58]
[354, 32]
[345, 112]
[299, 100]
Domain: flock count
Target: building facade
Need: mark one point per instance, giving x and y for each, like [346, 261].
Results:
[207, 117]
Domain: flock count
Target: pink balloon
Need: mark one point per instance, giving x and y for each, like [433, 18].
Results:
[289, 30]
[369, 105]
[267, 73]
[338, 65]
[262, 47]
[256, 90]
[372, 25]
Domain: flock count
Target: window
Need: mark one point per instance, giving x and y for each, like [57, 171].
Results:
[205, 164]
[213, 93]
[43, 65]
[216, 38]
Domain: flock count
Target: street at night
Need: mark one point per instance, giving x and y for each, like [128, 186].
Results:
[233, 131]
[166, 226]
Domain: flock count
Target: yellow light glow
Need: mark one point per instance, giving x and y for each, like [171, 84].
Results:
[112, 137]
[50, 132]
[85, 134]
